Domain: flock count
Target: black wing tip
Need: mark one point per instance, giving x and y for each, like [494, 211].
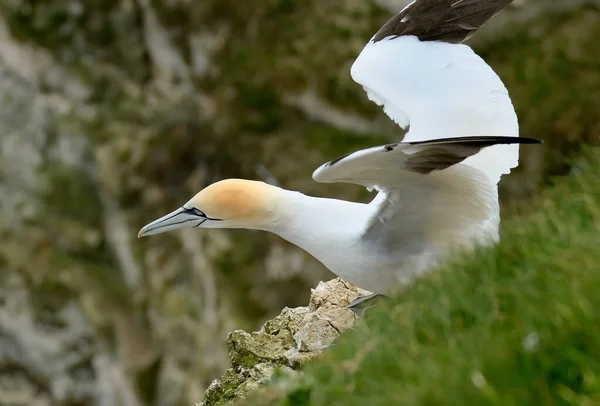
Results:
[451, 21]
[486, 139]
[528, 140]
[338, 159]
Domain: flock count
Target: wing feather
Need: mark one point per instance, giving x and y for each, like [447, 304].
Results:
[383, 165]
[427, 199]
[429, 83]
[451, 21]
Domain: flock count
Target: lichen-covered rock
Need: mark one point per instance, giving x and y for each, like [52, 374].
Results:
[285, 343]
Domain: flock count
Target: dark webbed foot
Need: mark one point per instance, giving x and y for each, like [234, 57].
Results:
[364, 302]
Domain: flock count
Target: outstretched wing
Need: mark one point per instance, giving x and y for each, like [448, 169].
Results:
[383, 166]
[429, 83]
[427, 196]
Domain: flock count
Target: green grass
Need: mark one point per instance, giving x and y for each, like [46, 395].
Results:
[518, 324]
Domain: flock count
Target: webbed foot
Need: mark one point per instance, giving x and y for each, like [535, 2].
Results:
[364, 302]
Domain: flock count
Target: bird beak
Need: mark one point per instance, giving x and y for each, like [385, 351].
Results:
[180, 218]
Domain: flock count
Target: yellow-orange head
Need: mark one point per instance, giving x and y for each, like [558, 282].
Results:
[230, 203]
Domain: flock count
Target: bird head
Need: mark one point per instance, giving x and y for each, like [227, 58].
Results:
[230, 203]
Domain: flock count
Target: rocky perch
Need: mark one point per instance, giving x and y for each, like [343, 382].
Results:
[285, 343]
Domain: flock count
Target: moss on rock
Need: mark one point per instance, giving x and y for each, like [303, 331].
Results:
[286, 343]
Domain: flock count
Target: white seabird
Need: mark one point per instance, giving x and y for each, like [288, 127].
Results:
[437, 189]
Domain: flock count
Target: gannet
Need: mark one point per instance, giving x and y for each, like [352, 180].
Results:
[437, 188]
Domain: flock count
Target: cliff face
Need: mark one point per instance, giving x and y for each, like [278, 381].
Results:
[115, 112]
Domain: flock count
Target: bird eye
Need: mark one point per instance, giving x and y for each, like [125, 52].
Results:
[198, 212]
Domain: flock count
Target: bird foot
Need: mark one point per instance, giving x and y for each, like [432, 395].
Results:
[364, 302]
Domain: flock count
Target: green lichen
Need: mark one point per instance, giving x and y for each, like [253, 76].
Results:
[235, 385]
[224, 391]
[247, 350]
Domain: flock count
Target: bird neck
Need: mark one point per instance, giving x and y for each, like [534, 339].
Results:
[317, 224]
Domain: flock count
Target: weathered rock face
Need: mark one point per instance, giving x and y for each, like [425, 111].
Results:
[285, 343]
[115, 112]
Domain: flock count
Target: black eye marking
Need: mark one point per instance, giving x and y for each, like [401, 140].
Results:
[197, 212]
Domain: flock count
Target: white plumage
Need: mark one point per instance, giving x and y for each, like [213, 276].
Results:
[437, 188]
[440, 90]
[421, 214]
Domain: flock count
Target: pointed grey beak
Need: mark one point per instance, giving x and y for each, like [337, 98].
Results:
[180, 218]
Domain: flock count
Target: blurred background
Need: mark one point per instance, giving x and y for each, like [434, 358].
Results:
[115, 112]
